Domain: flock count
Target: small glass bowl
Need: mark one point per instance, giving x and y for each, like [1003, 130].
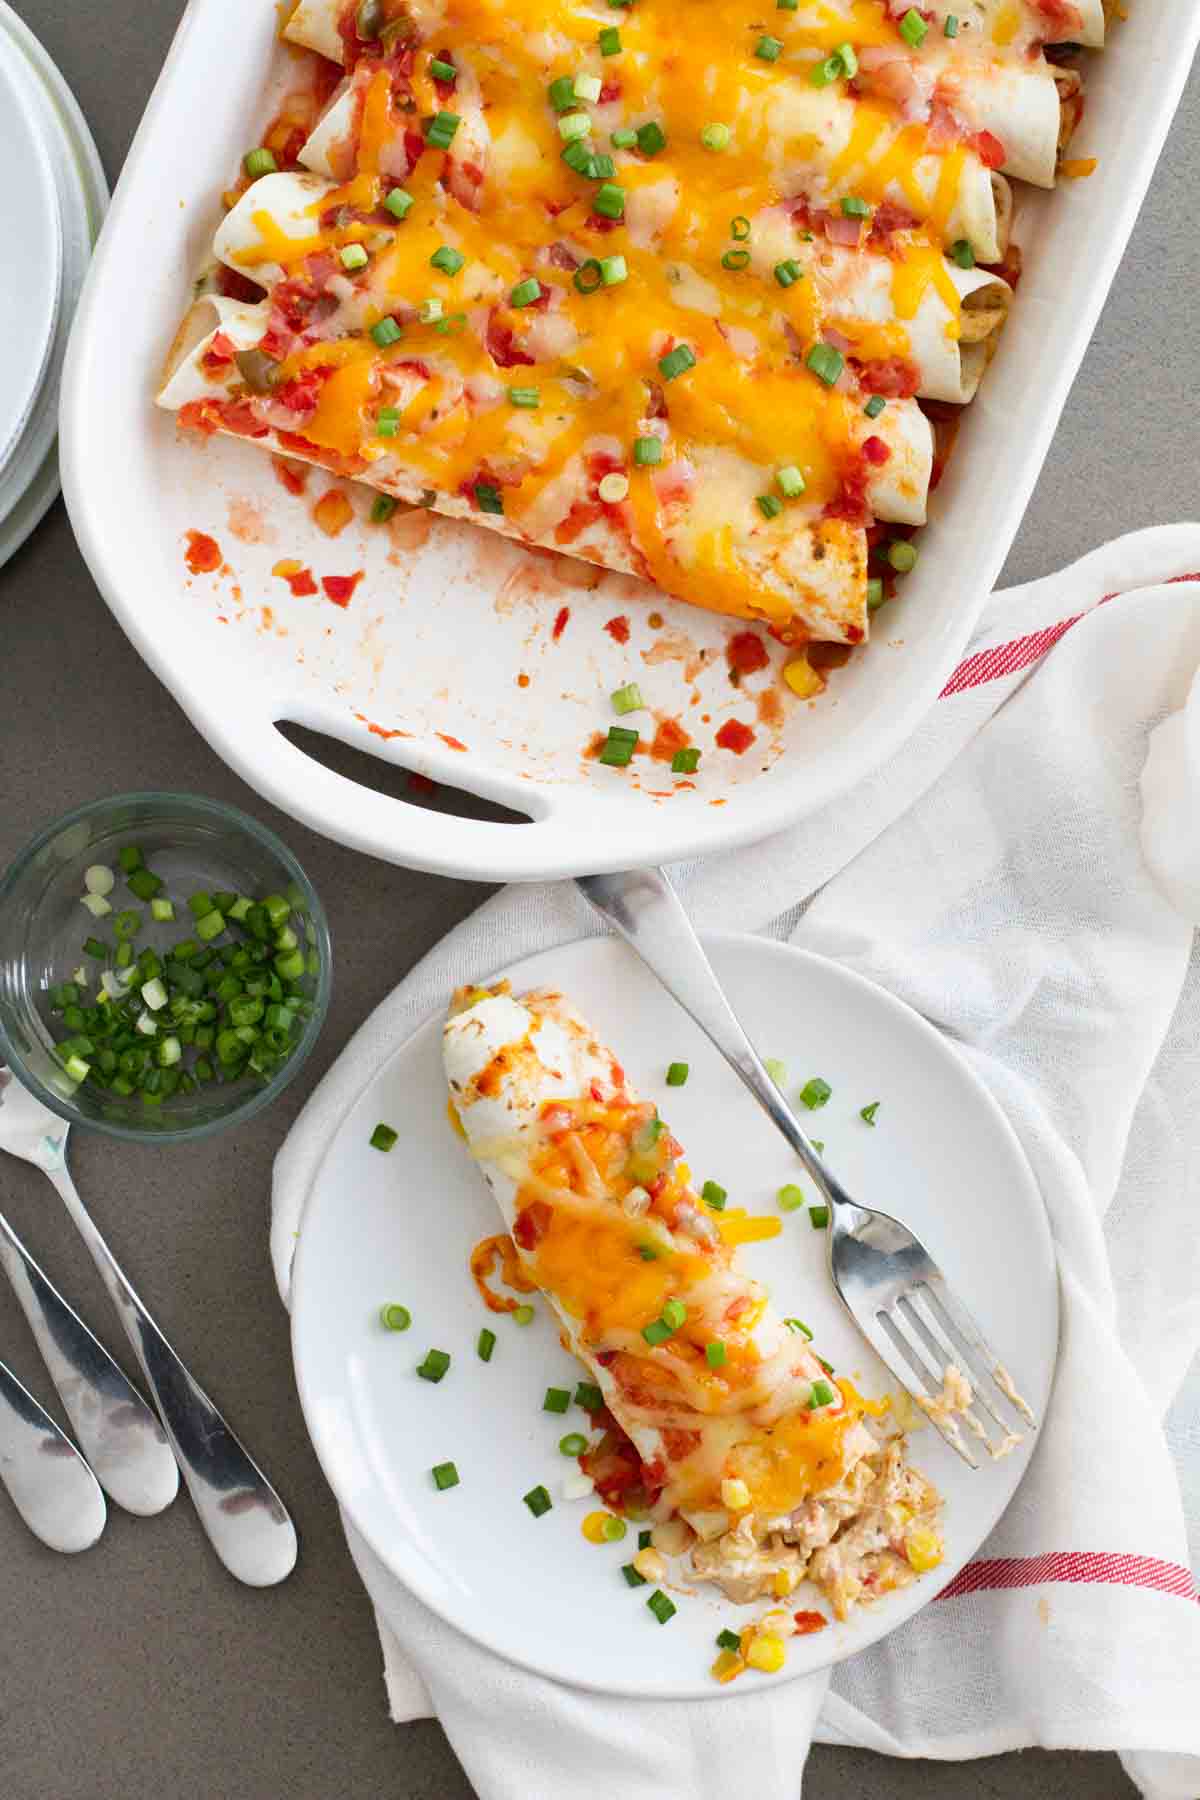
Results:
[193, 845]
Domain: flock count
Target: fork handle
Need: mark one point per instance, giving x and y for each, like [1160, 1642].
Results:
[243, 1517]
[644, 909]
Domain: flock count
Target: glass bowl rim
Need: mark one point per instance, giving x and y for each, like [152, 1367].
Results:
[200, 807]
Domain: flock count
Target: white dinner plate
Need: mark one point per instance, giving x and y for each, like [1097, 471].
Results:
[399, 1227]
[29, 291]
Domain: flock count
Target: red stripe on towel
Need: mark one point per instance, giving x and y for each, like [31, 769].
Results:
[1072, 1565]
[1018, 653]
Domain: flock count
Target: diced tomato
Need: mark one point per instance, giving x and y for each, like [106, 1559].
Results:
[746, 652]
[200, 415]
[302, 584]
[851, 502]
[239, 416]
[618, 629]
[340, 588]
[992, 153]
[876, 451]
[300, 395]
[203, 553]
[611, 90]
[735, 736]
[895, 377]
[414, 147]
[601, 222]
[220, 350]
[807, 1622]
[501, 343]
[529, 1227]
[560, 622]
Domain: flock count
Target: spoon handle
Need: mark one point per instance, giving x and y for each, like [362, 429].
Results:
[119, 1435]
[50, 1484]
[246, 1522]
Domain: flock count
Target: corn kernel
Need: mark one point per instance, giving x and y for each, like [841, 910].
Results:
[767, 1653]
[784, 1582]
[923, 1549]
[650, 1565]
[802, 678]
[727, 1665]
[735, 1495]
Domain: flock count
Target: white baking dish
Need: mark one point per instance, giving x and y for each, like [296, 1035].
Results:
[436, 638]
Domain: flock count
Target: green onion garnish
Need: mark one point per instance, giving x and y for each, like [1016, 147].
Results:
[386, 332]
[577, 156]
[685, 762]
[963, 254]
[447, 259]
[588, 1396]
[614, 1530]
[822, 73]
[647, 451]
[430, 311]
[902, 555]
[867, 1113]
[557, 1400]
[600, 167]
[574, 1444]
[791, 481]
[587, 87]
[574, 125]
[144, 884]
[875, 593]
[714, 1195]
[628, 699]
[769, 506]
[624, 138]
[662, 1608]
[613, 270]
[728, 1640]
[644, 1538]
[787, 271]
[445, 1475]
[676, 361]
[822, 1394]
[674, 1313]
[815, 1093]
[485, 1344]
[398, 203]
[488, 498]
[739, 227]
[609, 201]
[631, 1575]
[259, 162]
[161, 911]
[715, 136]
[913, 28]
[848, 58]
[874, 406]
[617, 751]
[790, 1198]
[353, 256]
[854, 208]
[768, 49]
[776, 1070]
[609, 40]
[950, 28]
[651, 138]
[677, 1074]
[538, 1501]
[714, 1354]
[387, 421]
[818, 1217]
[528, 398]
[657, 1332]
[395, 1318]
[561, 93]
[588, 276]
[441, 129]
[800, 1326]
[525, 292]
[435, 1365]
[826, 363]
[442, 71]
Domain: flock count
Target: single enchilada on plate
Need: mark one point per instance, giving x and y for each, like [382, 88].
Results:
[698, 305]
[713, 1419]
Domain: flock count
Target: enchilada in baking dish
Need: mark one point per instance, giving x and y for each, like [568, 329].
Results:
[672, 301]
[752, 1458]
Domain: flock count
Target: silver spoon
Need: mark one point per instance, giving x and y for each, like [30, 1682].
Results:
[50, 1484]
[121, 1438]
[245, 1520]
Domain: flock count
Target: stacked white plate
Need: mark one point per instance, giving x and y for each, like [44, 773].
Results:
[55, 196]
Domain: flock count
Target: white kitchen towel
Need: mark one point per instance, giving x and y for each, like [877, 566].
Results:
[1007, 876]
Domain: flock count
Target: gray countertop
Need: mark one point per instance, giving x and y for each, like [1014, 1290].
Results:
[140, 1669]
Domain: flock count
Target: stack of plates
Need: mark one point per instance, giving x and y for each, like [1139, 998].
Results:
[55, 195]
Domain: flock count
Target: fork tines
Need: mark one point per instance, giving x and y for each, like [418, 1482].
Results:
[961, 1375]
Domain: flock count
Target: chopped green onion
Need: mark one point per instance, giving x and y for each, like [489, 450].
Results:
[523, 1315]
[600, 167]
[648, 1253]
[447, 259]
[77, 1068]
[913, 28]
[822, 73]
[387, 421]
[488, 498]
[818, 1217]
[729, 1640]
[588, 276]
[429, 311]
[613, 270]
[128, 923]
[574, 1444]
[525, 292]
[628, 699]
[662, 1608]
[790, 1198]
[386, 332]
[485, 1344]
[787, 5]
[561, 93]
[674, 1313]
[130, 858]
[815, 1093]
[867, 1113]
[161, 911]
[398, 203]
[574, 125]
[826, 363]
[651, 138]
[875, 593]
[714, 1354]
[902, 555]
[739, 227]
[441, 129]
[538, 1501]
[950, 28]
[855, 208]
[791, 481]
[657, 1332]
[587, 87]
[677, 1074]
[210, 926]
[769, 506]
[787, 271]
[874, 406]
[631, 1575]
[395, 1318]
[644, 1538]
[647, 451]
[435, 1365]
[776, 1070]
[609, 40]
[614, 1530]
[715, 136]
[800, 1326]
[445, 1475]
[624, 138]
[259, 162]
[588, 1396]
[768, 49]
[822, 1394]
[963, 254]
[144, 884]
[676, 362]
[557, 1400]
[353, 256]
[609, 201]
[442, 71]
[735, 259]
[154, 994]
[99, 879]
[617, 751]
[685, 762]
[168, 1052]
[383, 1137]
[526, 397]
[848, 57]
[97, 905]
[714, 1195]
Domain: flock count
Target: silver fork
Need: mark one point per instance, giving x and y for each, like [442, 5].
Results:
[884, 1276]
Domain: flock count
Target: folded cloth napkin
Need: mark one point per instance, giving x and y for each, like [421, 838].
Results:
[1008, 877]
